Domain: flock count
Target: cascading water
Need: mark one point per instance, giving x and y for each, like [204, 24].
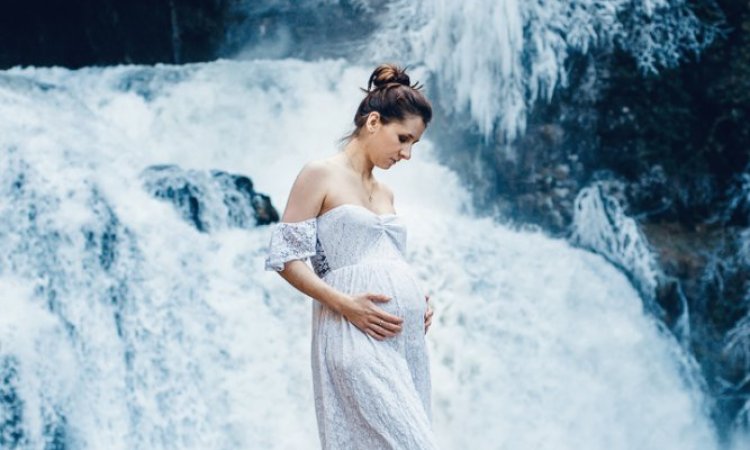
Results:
[123, 326]
[495, 58]
[128, 323]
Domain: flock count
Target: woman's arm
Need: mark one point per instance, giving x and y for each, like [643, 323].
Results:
[305, 201]
[299, 275]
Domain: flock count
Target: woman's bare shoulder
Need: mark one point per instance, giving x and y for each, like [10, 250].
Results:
[314, 172]
[323, 170]
[309, 190]
[320, 167]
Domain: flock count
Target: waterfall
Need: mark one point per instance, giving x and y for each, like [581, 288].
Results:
[493, 59]
[125, 326]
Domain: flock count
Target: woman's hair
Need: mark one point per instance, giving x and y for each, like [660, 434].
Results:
[390, 93]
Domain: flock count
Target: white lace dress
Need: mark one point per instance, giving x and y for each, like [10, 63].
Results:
[369, 394]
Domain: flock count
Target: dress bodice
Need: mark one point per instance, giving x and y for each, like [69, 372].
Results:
[345, 235]
[351, 234]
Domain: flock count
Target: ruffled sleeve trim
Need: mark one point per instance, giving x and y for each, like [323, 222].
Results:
[291, 241]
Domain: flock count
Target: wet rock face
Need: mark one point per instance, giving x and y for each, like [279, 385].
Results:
[210, 200]
[545, 180]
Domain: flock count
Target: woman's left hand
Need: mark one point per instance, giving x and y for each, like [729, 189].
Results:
[427, 314]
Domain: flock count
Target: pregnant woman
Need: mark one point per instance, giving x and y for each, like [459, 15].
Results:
[371, 375]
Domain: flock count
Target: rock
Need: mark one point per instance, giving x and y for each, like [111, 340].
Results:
[210, 200]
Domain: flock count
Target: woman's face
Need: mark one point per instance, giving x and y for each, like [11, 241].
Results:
[390, 143]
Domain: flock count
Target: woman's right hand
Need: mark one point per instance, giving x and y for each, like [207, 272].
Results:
[365, 315]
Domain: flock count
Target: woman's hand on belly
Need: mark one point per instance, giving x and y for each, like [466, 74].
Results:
[365, 315]
[427, 314]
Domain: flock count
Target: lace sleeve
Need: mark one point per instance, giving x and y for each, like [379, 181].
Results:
[290, 241]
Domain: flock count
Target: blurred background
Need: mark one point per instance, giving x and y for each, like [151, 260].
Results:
[579, 211]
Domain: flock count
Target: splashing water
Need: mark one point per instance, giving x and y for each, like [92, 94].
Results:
[125, 327]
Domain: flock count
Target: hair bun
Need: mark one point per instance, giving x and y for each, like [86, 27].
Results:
[386, 74]
[390, 94]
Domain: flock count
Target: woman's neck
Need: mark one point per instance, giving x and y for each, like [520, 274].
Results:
[358, 160]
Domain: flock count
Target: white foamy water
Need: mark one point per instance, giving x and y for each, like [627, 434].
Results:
[123, 327]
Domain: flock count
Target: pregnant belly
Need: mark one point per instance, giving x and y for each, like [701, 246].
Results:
[393, 278]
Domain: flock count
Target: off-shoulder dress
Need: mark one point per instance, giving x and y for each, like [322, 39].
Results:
[369, 394]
